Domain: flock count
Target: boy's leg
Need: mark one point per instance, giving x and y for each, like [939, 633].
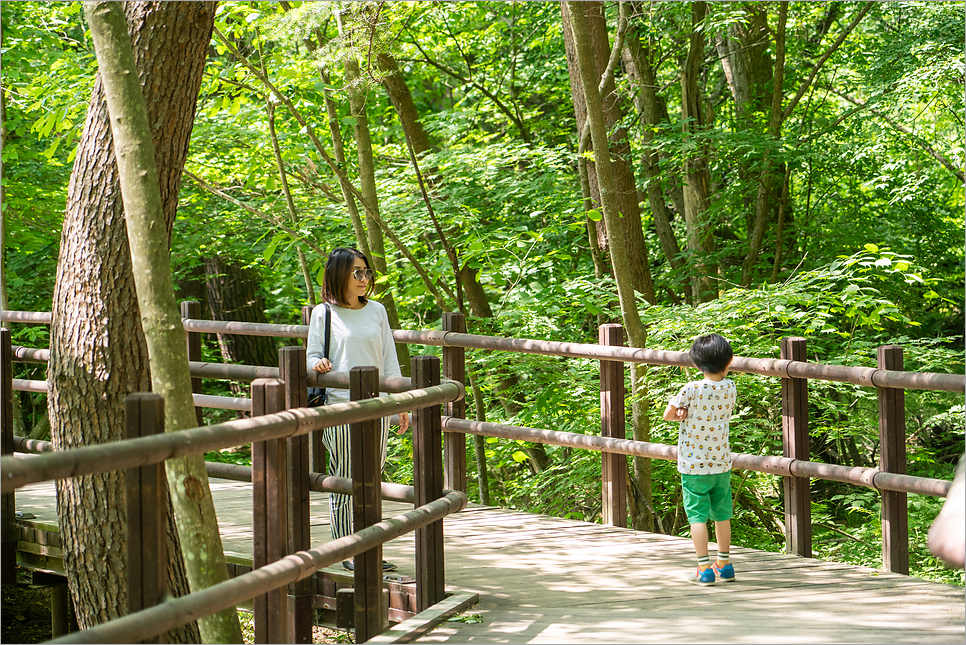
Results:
[699, 536]
[722, 534]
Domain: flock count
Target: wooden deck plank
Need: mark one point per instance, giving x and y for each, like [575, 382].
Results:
[551, 580]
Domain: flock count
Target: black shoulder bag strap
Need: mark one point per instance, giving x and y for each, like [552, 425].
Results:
[317, 394]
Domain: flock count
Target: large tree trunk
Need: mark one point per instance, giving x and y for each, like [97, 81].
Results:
[98, 351]
[160, 319]
[630, 233]
[697, 176]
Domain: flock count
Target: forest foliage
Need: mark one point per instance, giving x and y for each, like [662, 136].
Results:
[862, 242]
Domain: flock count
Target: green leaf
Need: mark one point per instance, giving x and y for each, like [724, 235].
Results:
[519, 456]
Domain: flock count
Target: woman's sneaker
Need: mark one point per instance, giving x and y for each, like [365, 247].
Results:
[704, 578]
[726, 573]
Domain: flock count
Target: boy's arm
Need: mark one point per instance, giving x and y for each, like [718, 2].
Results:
[674, 413]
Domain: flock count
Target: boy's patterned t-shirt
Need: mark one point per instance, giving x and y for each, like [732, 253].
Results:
[703, 447]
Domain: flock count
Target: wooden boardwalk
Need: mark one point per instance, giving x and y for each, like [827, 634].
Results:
[548, 580]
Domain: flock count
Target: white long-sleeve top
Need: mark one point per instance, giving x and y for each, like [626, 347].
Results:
[359, 337]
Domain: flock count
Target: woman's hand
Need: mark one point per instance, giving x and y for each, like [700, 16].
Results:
[403, 422]
[323, 366]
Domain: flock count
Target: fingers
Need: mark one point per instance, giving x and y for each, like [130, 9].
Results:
[403, 422]
[323, 366]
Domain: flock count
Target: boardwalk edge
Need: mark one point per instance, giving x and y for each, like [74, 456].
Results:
[423, 622]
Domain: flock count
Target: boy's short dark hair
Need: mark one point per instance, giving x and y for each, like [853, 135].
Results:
[711, 353]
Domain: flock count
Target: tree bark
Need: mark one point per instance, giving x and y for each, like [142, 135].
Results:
[653, 114]
[233, 295]
[630, 232]
[588, 75]
[697, 177]
[98, 350]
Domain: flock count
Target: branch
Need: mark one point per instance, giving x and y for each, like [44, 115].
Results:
[271, 219]
[488, 94]
[935, 154]
[821, 61]
[608, 75]
[343, 178]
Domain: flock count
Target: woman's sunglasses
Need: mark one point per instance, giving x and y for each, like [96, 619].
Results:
[362, 274]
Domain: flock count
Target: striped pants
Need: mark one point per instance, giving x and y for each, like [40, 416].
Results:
[338, 442]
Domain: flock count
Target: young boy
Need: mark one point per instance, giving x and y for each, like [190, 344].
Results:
[704, 457]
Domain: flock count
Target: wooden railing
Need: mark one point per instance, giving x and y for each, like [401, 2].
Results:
[791, 367]
[283, 556]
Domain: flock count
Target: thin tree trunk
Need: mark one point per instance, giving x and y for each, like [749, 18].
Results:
[479, 442]
[630, 234]
[640, 70]
[160, 319]
[697, 177]
[588, 76]
[367, 183]
[289, 202]
[763, 200]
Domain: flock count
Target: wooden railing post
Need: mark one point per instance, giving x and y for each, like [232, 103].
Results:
[192, 309]
[316, 448]
[366, 444]
[146, 497]
[892, 459]
[8, 525]
[269, 512]
[798, 502]
[454, 443]
[612, 424]
[428, 469]
[291, 366]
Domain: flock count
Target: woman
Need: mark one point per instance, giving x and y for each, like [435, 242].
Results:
[359, 335]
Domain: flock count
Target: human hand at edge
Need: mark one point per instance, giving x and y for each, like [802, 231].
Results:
[403, 423]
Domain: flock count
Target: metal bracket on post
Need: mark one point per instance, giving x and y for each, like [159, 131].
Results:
[892, 459]
[192, 309]
[269, 512]
[798, 504]
[292, 370]
[428, 469]
[146, 497]
[366, 445]
[613, 424]
[316, 448]
[454, 443]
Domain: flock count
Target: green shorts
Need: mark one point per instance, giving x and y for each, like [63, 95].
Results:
[707, 497]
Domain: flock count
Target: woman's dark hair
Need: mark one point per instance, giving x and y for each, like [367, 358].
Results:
[338, 269]
[711, 353]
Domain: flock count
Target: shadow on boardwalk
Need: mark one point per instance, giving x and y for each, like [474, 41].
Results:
[549, 580]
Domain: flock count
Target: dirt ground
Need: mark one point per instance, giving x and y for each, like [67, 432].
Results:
[25, 613]
[25, 616]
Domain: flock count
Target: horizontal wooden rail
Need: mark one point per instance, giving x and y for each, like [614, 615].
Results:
[318, 482]
[149, 450]
[245, 328]
[778, 368]
[290, 569]
[868, 477]
[234, 372]
[34, 317]
[200, 400]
